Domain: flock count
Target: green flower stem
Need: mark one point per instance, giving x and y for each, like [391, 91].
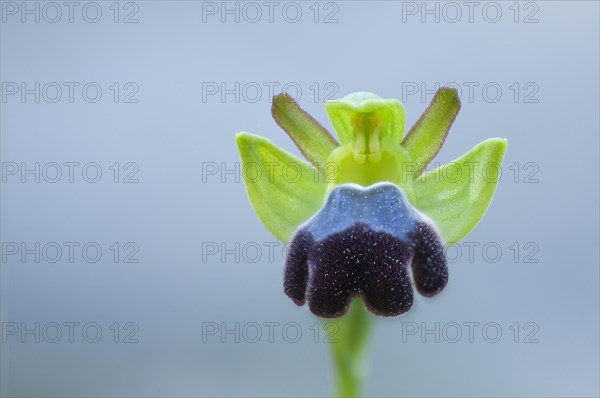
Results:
[349, 350]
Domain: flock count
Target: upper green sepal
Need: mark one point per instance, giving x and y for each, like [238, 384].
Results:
[388, 112]
[457, 195]
[283, 190]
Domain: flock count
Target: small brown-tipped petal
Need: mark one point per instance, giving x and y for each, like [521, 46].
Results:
[426, 137]
[313, 140]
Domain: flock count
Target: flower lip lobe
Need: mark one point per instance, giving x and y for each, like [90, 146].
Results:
[361, 243]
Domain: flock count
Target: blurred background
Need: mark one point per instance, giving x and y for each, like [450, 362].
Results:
[134, 265]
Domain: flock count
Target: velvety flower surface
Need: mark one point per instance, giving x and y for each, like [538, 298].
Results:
[362, 242]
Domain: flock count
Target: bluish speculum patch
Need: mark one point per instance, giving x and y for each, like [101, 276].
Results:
[360, 243]
[383, 207]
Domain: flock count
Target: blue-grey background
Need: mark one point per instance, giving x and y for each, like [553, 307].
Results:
[174, 209]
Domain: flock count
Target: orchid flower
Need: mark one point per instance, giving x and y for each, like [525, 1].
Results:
[363, 211]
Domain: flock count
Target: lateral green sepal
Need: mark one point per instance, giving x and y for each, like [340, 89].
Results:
[457, 195]
[284, 190]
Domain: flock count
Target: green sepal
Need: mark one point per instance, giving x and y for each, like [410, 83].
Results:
[313, 140]
[456, 195]
[284, 190]
[389, 112]
[426, 137]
